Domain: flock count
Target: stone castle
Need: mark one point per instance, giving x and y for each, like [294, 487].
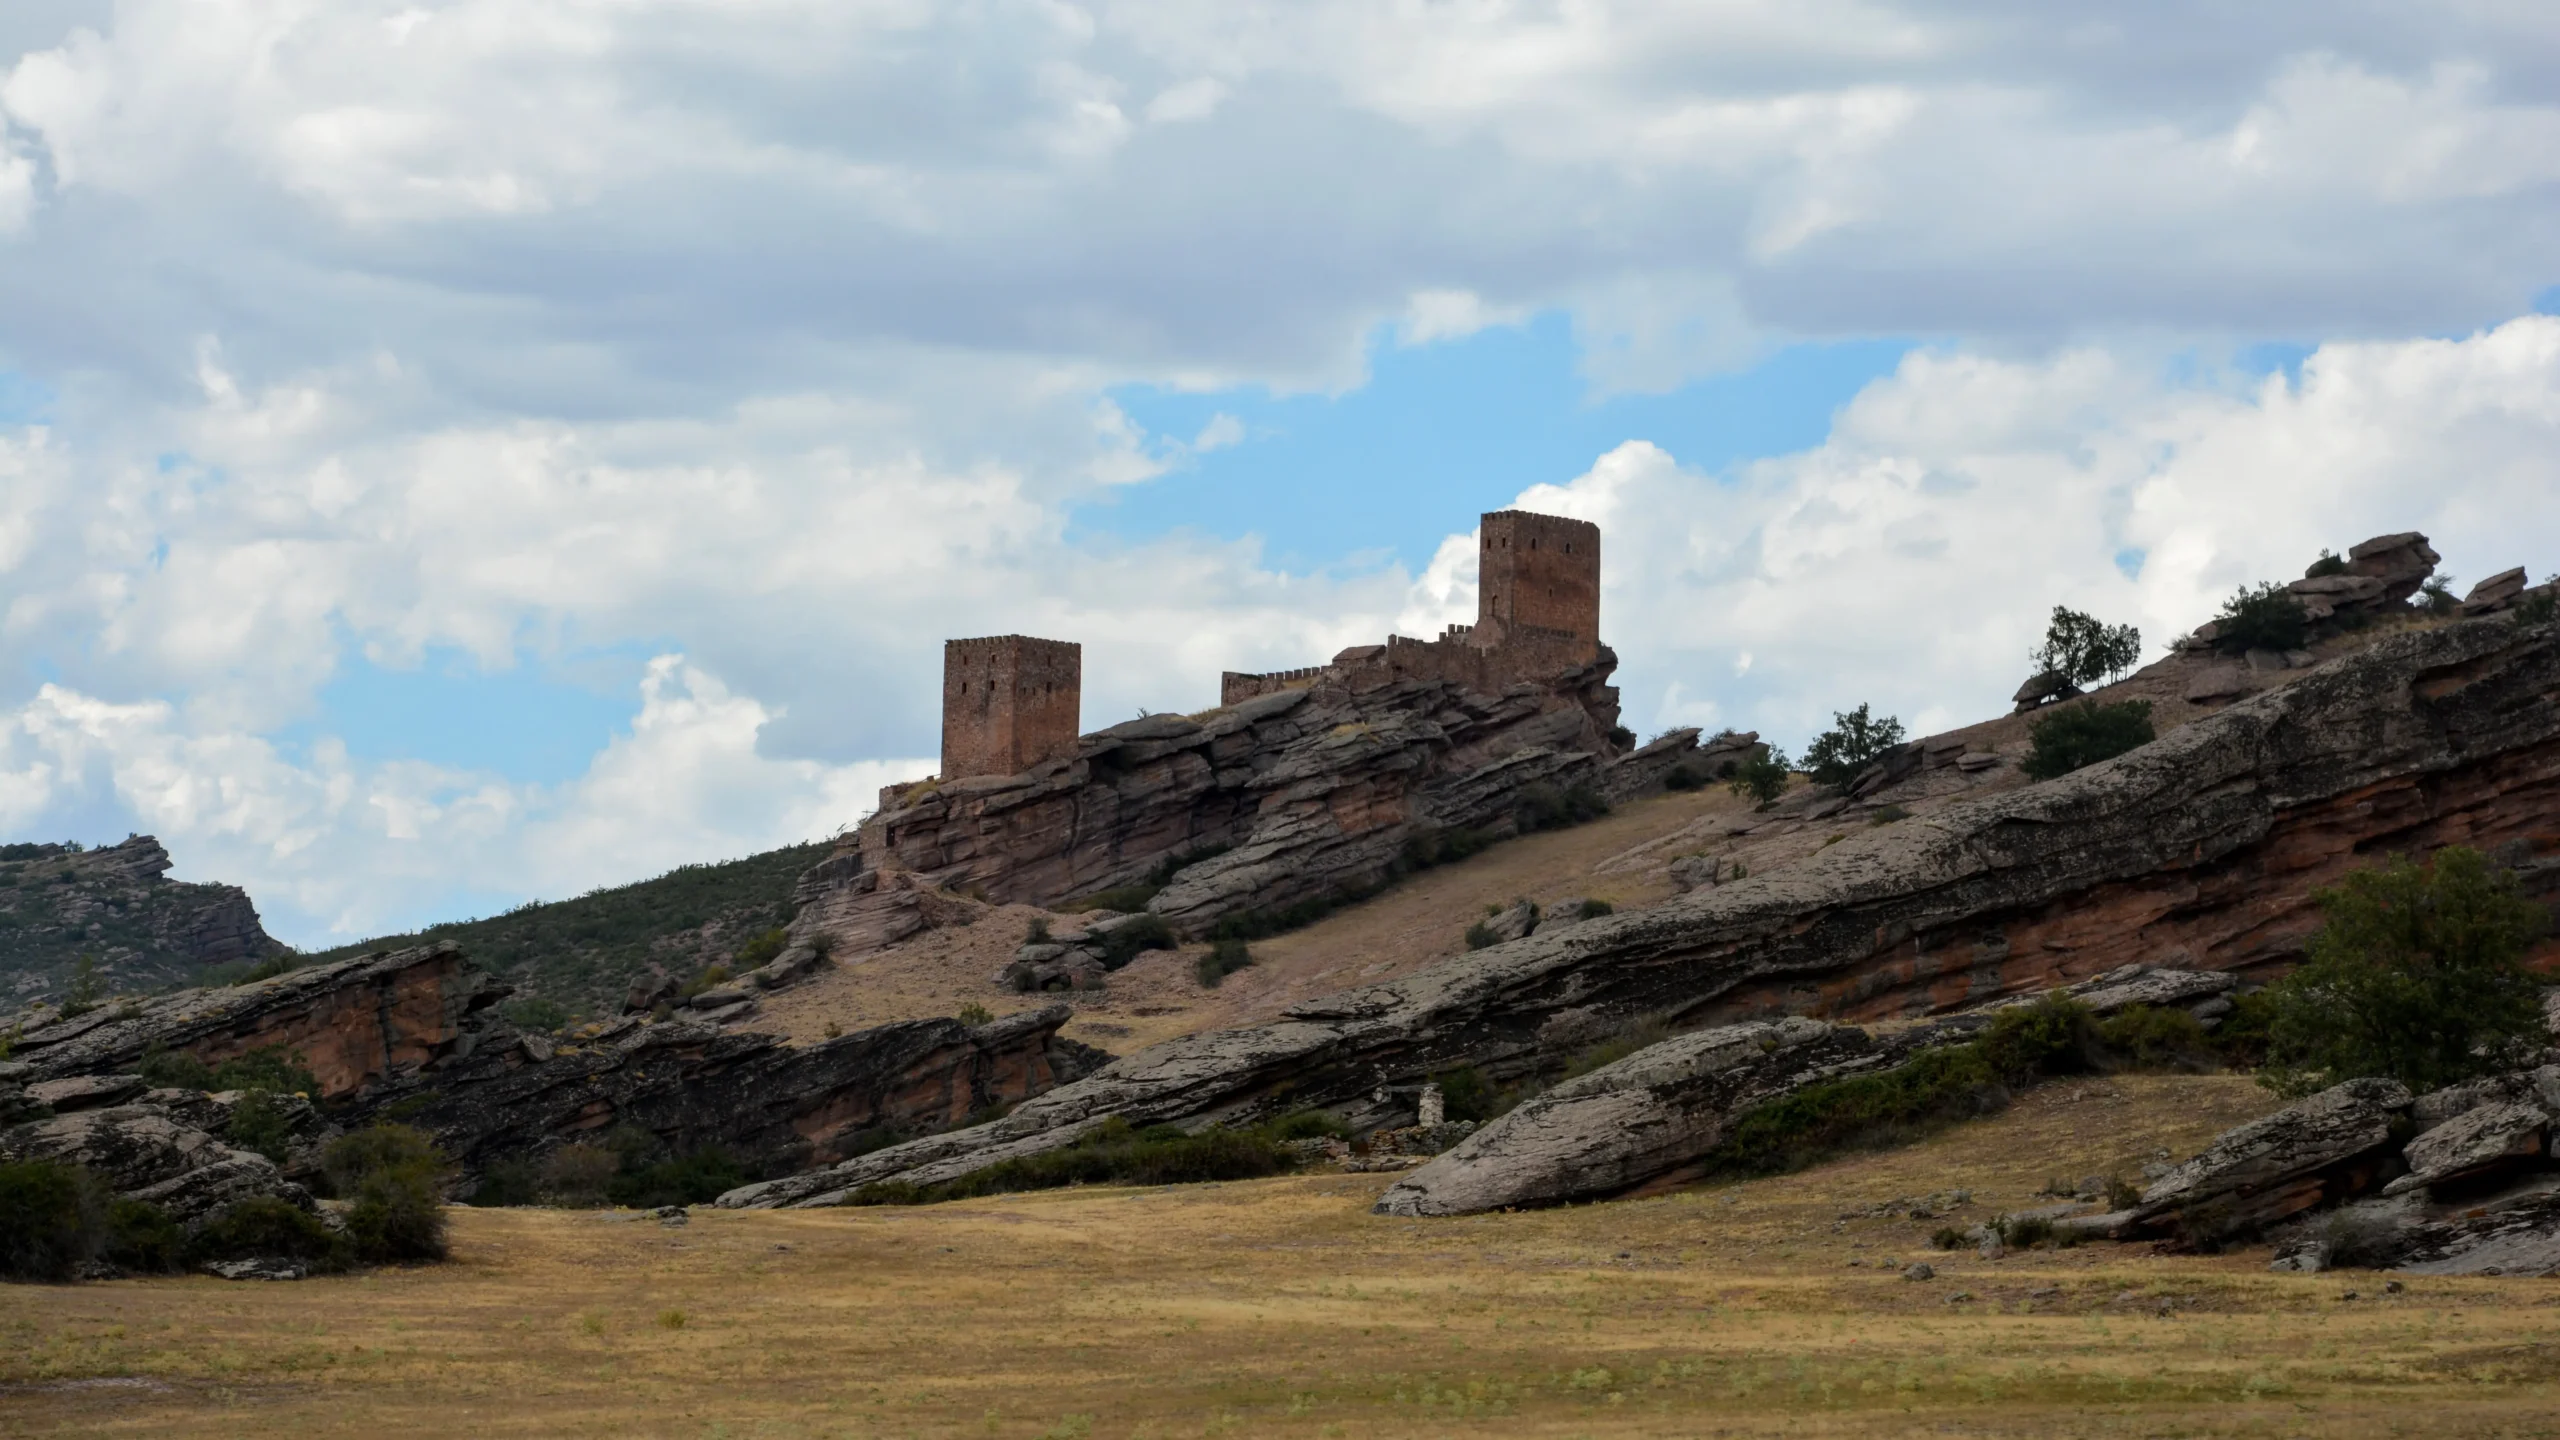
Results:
[1010, 702]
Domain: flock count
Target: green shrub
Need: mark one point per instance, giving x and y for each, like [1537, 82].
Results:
[1949, 1237]
[1308, 1125]
[1622, 737]
[1887, 814]
[52, 1220]
[2149, 1037]
[395, 1175]
[2328, 564]
[264, 1227]
[2266, 617]
[1594, 909]
[1761, 776]
[2084, 650]
[2069, 737]
[269, 1068]
[508, 1182]
[1038, 933]
[86, 987]
[1128, 941]
[2417, 973]
[1112, 1153]
[1480, 935]
[1126, 899]
[1442, 847]
[1932, 1089]
[1225, 957]
[1465, 1094]
[2542, 605]
[1547, 807]
[1855, 741]
[2436, 596]
[762, 948]
[536, 1014]
[973, 1015]
[174, 1070]
[696, 1178]
[259, 1123]
[1685, 776]
[142, 1239]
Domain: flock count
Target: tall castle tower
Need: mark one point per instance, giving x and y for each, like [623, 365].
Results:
[1539, 578]
[1008, 703]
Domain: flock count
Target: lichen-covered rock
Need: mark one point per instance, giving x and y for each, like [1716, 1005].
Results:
[2335, 1144]
[2484, 1140]
[1638, 1120]
[143, 1153]
[115, 906]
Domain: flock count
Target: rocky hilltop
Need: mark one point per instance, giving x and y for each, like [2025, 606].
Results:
[116, 906]
[1304, 796]
[2200, 850]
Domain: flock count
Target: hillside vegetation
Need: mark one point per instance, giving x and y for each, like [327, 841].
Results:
[582, 954]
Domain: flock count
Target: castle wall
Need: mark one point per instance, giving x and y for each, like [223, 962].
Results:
[1541, 572]
[1008, 703]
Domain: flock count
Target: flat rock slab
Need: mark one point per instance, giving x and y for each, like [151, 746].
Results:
[2479, 1140]
[2309, 1152]
[1624, 1124]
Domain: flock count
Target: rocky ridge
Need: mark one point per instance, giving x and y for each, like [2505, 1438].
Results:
[115, 905]
[2201, 849]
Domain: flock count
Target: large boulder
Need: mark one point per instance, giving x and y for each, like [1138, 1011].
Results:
[1641, 1119]
[2486, 1140]
[143, 1153]
[2336, 1144]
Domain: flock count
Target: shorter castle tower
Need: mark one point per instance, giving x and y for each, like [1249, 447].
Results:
[1008, 703]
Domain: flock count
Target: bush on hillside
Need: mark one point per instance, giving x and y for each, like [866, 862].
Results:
[2417, 973]
[2264, 617]
[1129, 941]
[395, 1176]
[2083, 649]
[1225, 958]
[761, 948]
[1761, 776]
[1550, 807]
[2071, 736]
[1855, 741]
[2328, 564]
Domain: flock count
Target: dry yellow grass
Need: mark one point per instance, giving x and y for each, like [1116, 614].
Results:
[1282, 1307]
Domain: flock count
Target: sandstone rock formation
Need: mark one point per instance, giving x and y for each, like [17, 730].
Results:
[1304, 794]
[354, 1022]
[2201, 849]
[2336, 1144]
[1636, 1121]
[694, 1086]
[113, 904]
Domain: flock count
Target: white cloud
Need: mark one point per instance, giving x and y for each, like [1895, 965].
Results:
[1432, 315]
[1911, 559]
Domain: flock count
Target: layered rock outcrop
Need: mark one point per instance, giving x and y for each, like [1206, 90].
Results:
[2201, 850]
[1309, 793]
[116, 905]
[695, 1086]
[354, 1022]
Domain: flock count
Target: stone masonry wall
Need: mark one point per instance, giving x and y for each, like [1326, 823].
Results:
[1008, 703]
[1540, 571]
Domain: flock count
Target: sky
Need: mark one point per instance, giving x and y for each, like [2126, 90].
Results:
[455, 454]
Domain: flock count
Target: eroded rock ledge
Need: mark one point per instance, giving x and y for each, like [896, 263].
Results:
[2198, 851]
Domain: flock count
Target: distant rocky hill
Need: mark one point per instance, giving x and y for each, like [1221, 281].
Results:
[583, 954]
[141, 931]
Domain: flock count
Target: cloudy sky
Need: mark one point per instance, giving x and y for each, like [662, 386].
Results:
[461, 451]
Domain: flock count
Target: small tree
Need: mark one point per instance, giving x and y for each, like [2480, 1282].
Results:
[2268, 617]
[2327, 564]
[2417, 974]
[1761, 776]
[2083, 649]
[1853, 743]
[2071, 736]
[85, 987]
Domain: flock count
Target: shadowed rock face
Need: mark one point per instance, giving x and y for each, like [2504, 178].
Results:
[694, 1086]
[1311, 793]
[2200, 850]
[354, 1022]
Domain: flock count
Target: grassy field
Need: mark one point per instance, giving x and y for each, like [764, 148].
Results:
[1282, 1307]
